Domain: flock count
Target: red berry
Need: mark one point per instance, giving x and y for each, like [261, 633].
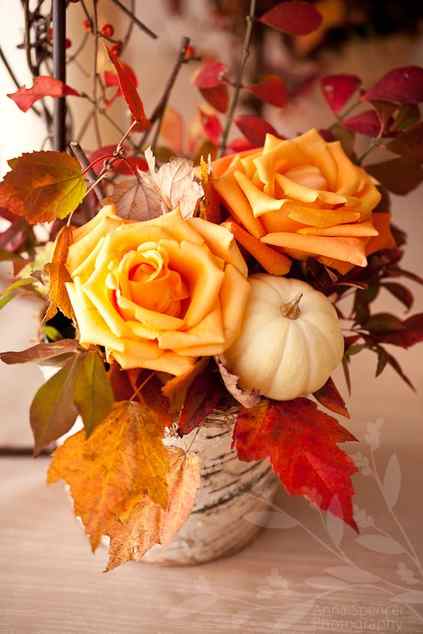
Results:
[87, 25]
[68, 43]
[107, 30]
[189, 52]
[116, 49]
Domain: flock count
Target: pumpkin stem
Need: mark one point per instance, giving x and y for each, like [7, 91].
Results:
[291, 309]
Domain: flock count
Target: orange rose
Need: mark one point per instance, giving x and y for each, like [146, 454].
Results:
[157, 294]
[298, 198]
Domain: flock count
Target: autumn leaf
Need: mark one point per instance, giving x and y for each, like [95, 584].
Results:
[210, 74]
[301, 443]
[270, 90]
[338, 89]
[122, 460]
[254, 128]
[128, 86]
[43, 86]
[41, 352]
[93, 394]
[136, 199]
[145, 524]
[400, 175]
[202, 398]
[409, 144]
[43, 186]
[59, 276]
[217, 97]
[127, 166]
[212, 126]
[329, 396]
[294, 18]
[367, 123]
[53, 412]
[247, 398]
[401, 85]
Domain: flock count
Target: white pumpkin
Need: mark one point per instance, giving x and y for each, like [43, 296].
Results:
[290, 342]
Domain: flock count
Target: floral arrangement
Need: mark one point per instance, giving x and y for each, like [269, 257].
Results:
[237, 275]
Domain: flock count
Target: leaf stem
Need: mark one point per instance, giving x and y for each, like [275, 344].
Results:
[80, 155]
[238, 81]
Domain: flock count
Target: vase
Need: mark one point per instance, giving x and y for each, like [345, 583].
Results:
[232, 502]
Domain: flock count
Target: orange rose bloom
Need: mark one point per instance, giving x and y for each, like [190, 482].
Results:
[157, 294]
[298, 198]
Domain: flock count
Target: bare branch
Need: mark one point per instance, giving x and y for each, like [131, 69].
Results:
[133, 17]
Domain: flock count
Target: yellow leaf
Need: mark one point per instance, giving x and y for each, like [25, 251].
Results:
[59, 275]
[123, 458]
[145, 524]
[43, 186]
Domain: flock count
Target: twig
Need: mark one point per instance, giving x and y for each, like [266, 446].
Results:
[21, 452]
[133, 17]
[59, 63]
[159, 110]
[14, 78]
[95, 30]
[80, 155]
[238, 81]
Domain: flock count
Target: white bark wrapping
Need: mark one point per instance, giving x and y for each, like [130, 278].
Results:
[230, 491]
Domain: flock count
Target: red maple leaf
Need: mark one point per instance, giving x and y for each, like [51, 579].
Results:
[301, 443]
[43, 86]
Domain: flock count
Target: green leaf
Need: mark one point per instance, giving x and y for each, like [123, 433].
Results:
[53, 411]
[93, 394]
[43, 186]
[9, 292]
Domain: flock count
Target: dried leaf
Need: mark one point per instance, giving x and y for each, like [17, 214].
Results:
[270, 90]
[59, 276]
[400, 176]
[43, 186]
[41, 352]
[329, 396]
[43, 86]
[295, 18]
[254, 129]
[146, 524]
[123, 459]
[176, 183]
[93, 394]
[401, 85]
[338, 89]
[52, 412]
[137, 198]
[129, 90]
[247, 398]
[203, 397]
[301, 443]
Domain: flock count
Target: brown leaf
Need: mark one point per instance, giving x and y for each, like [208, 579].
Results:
[329, 396]
[203, 397]
[247, 398]
[41, 352]
[59, 276]
[400, 176]
[123, 459]
[145, 524]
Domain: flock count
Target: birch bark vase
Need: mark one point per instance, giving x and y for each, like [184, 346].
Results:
[230, 492]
